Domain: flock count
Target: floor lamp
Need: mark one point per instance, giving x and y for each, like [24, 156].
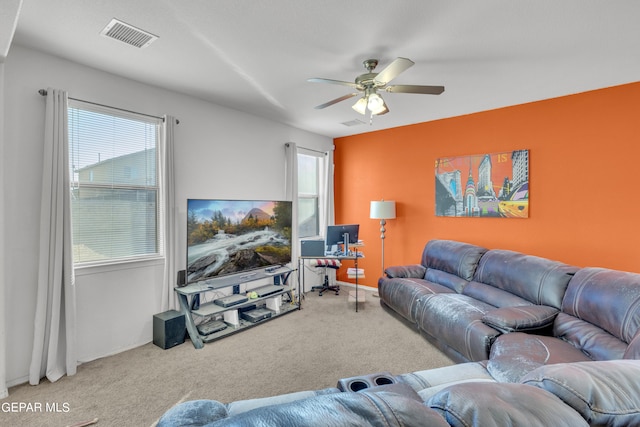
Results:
[382, 210]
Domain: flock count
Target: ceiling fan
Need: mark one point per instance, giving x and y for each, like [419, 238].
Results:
[369, 83]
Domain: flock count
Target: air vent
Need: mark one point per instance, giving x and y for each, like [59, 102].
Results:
[355, 122]
[128, 34]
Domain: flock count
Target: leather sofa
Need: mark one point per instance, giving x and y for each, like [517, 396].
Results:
[540, 343]
[574, 394]
[517, 311]
[462, 296]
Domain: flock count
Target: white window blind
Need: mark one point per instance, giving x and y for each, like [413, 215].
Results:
[115, 193]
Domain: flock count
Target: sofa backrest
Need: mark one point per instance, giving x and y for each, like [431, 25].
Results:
[507, 278]
[450, 263]
[600, 312]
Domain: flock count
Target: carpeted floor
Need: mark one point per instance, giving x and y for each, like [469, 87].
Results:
[304, 350]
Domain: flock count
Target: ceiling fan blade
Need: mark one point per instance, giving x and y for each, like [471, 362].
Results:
[392, 70]
[335, 101]
[335, 82]
[427, 90]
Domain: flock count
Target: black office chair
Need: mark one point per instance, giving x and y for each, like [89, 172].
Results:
[325, 264]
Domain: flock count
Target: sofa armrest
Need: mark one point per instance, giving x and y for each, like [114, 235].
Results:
[413, 271]
[603, 392]
[481, 404]
[521, 318]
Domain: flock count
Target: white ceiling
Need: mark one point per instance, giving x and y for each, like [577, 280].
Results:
[256, 55]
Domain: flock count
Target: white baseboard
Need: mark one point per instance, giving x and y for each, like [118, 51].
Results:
[353, 285]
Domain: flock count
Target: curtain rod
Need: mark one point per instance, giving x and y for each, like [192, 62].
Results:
[310, 149]
[43, 92]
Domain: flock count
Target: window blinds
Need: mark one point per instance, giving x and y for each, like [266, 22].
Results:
[113, 160]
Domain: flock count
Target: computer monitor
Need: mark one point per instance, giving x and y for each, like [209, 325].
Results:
[335, 234]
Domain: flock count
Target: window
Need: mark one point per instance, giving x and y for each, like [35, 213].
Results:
[310, 193]
[115, 192]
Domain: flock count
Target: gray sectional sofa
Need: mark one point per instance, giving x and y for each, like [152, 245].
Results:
[516, 311]
[539, 343]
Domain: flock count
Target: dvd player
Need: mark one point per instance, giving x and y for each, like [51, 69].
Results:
[267, 290]
[230, 300]
[257, 315]
[210, 327]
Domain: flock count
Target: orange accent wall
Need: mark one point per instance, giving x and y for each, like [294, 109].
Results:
[584, 180]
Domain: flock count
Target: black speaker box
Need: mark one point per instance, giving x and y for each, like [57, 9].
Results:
[182, 278]
[169, 329]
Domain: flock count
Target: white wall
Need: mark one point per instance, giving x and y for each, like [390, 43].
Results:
[220, 153]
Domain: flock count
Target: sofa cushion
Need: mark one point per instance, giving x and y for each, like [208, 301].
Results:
[633, 351]
[516, 354]
[404, 294]
[538, 280]
[493, 296]
[382, 408]
[448, 280]
[521, 318]
[593, 288]
[420, 380]
[592, 340]
[452, 257]
[240, 406]
[193, 413]
[604, 393]
[456, 321]
[484, 404]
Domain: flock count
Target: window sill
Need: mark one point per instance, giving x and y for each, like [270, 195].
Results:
[88, 269]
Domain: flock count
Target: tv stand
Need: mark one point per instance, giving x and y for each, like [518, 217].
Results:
[190, 302]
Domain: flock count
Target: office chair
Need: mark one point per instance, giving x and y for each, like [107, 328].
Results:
[325, 264]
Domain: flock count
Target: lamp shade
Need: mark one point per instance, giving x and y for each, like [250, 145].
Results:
[361, 105]
[383, 209]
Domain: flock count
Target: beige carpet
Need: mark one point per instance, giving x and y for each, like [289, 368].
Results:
[304, 350]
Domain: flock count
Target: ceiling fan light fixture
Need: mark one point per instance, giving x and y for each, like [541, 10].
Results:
[374, 102]
[380, 110]
[361, 105]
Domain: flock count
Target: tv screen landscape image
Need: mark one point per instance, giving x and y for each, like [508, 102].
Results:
[234, 236]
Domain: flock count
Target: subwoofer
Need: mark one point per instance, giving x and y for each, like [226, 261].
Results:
[169, 329]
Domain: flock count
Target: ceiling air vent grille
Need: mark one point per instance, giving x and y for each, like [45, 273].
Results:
[128, 34]
[355, 122]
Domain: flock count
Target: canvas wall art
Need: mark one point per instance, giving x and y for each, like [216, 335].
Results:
[483, 185]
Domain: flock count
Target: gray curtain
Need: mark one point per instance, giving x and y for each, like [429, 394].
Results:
[291, 193]
[4, 392]
[329, 212]
[54, 337]
[327, 215]
[167, 175]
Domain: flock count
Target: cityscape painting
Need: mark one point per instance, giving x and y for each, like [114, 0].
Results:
[483, 185]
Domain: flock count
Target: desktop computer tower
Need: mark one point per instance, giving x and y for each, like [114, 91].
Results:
[169, 329]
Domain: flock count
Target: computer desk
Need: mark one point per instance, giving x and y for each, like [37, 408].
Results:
[339, 257]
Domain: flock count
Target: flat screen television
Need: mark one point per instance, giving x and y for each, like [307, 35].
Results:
[227, 237]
